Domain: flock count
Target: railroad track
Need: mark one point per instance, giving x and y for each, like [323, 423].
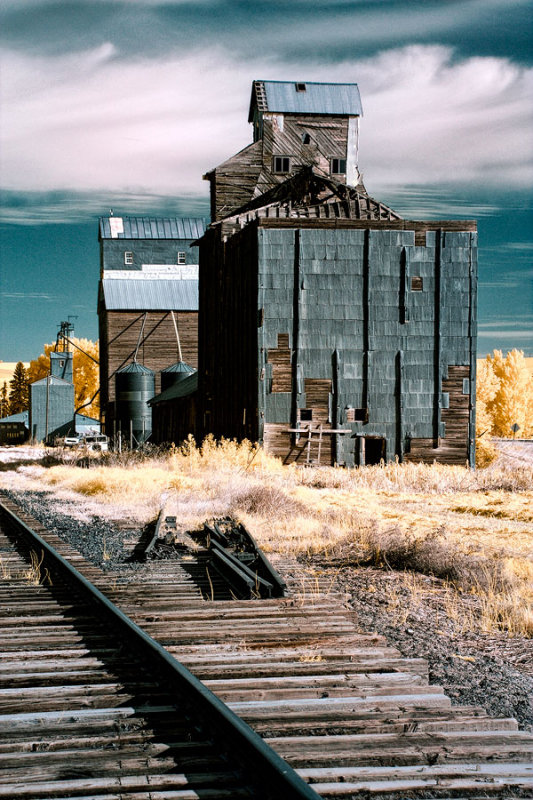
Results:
[348, 713]
[91, 707]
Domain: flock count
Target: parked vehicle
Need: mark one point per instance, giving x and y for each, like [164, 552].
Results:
[98, 443]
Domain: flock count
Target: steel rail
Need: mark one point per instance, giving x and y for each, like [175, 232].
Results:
[275, 777]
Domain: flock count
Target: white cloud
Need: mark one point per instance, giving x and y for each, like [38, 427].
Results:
[92, 122]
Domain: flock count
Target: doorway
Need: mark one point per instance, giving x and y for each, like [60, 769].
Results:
[372, 450]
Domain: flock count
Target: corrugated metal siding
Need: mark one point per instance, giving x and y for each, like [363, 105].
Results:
[150, 295]
[155, 228]
[318, 98]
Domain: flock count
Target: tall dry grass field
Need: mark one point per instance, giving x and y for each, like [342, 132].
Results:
[472, 529]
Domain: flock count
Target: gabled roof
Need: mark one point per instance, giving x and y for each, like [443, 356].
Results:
[152, 227]
[305, 98]
[52, 381]
[22, 416]
[308, 194]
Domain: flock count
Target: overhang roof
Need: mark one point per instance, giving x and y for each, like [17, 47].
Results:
[158, 294]
[183, 388]
[316, 98]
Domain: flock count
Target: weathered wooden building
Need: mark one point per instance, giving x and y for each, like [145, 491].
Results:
[148, 298]
[295, 125]
[331, 330]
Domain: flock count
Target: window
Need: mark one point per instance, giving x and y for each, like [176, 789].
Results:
[182, 258]
[306, 138]
[306, 415]
[417, 283]
[282, 164]
[338, 166]
[301, 87]
[356, 414]
[128, 257]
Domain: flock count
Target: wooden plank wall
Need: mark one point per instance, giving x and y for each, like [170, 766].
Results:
[281, 361]
[174, 420]
[228, 374]
[452, 448]
[119, 334]
[233, 182]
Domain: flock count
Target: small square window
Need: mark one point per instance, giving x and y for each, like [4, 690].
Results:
[338, 166]
[356, 414]
[282, 164]
[182, 258]
[128, 257]
[417, 283]
[306, 415]
[301, 87]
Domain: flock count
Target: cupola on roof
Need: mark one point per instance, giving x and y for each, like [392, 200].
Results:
[305, 98]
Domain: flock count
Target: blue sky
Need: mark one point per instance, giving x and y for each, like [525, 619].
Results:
[125, 105]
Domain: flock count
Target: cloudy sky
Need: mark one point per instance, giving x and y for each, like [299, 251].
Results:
[126, 104]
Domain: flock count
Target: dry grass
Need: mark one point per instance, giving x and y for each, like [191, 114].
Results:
[472, 529]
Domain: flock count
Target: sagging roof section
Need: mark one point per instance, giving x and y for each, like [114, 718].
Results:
[305, 98]
[309, 195]
[152, 227]
[161, 294]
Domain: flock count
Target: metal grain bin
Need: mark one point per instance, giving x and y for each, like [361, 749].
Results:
[174, 374]
[134, 386]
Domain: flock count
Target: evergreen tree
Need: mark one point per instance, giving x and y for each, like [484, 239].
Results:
[19, 393]
[4, 401]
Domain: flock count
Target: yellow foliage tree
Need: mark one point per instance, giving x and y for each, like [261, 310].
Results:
[505, 394]
[86, 375]
[487, 385]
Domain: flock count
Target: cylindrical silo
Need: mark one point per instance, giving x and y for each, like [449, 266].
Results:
[174, 374]
[134, 386]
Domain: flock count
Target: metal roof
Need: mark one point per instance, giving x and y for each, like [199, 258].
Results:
[179, 368]
[135, 368]
[52, 380]
[152, 228]
[161, 294]
[22, 416]
[316, 98]
[182, 389]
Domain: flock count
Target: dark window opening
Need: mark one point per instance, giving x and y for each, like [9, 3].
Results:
[357, 415]
[373, 450]
[338, 166]
[306, 415]
[306, 138]
[301, 87]
[282, 164]
[417, 283]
